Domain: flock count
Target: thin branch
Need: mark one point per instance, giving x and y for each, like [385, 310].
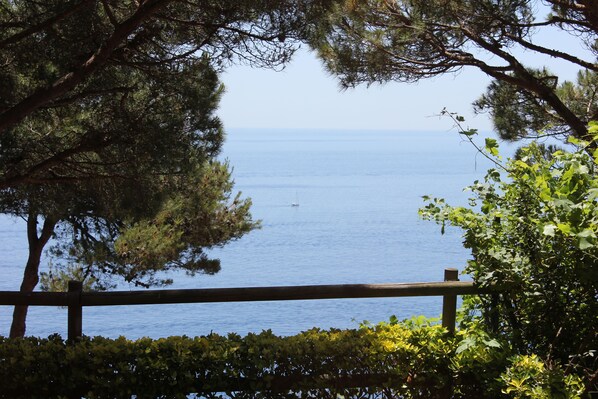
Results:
[462, 131]
[109, 13]
[553, 53]
[74, 179]
[67, 82]
[45, 24]
[49, 162]
[523, 78]
[243, 32]
[69, 100]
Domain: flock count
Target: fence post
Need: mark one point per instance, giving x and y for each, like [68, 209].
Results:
[449, 316]
[75, 311]
[449, 303]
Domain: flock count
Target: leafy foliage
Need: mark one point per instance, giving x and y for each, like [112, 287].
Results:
[199, 213]
[108, 132]
[388, 360]
[147, 179]
[532, 230]
[377, 41]
[527, 377]
[66, 61]
[518, 114]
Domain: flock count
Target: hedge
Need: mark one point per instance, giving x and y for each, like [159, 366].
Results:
[388, 360]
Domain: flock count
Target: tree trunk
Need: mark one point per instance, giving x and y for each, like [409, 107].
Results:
[31, 274]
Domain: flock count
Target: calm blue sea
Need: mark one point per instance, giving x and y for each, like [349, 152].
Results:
[358, 194]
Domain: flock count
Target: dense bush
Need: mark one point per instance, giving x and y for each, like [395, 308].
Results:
[407, 360]
[532, 228]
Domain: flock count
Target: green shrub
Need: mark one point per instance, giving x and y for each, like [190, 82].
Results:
[528, 377]
[398, 360]
[532, 227]
[406, 361]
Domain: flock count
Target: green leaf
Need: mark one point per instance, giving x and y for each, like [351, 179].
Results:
[520, 164]
[592, 193]
[492, 146]
[574, 140]
[564, 228]
[586, 238]
[466, 344]
[549, 230]
[469, 132]
[585, 244]
[492, 343]
[586, 233]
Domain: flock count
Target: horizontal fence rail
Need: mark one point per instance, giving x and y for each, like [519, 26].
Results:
[76, 299]
[246, 294]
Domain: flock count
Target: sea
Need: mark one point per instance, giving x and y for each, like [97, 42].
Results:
[336, 207]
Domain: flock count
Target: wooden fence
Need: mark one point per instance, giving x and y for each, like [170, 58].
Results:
[75, 299]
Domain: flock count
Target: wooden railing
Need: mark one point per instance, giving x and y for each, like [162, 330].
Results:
[75, 299]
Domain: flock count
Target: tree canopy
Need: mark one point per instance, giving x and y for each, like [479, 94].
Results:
[65, 63]
[149, 199]
[108, 133]
[384, 40]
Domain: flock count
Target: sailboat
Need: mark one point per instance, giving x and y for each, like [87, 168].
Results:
[296, 202]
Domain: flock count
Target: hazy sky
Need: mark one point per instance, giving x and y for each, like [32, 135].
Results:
[304, 95]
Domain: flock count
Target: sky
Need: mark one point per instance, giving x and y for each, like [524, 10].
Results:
[305, 96]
